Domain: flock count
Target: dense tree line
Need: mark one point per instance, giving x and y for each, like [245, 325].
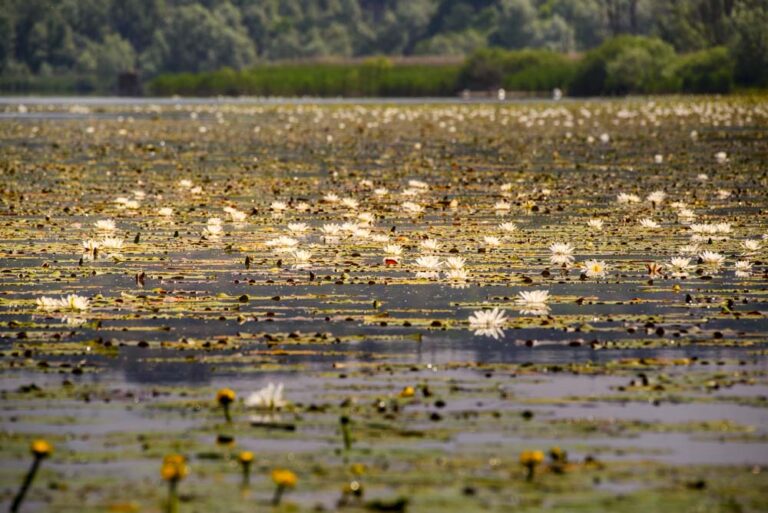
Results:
[104, 37]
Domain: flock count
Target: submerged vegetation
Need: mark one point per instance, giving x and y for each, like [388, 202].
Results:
[238, 306]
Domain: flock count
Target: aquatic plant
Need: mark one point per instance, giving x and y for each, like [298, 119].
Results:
[283, 480]
[173, 470]
[225, 397]
[269, 398]
[344, 422]
[246, 458]
[40, 450]
[530, 459]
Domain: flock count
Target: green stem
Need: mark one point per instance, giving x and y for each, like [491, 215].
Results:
[278, 495]
[25, 486]
[173, 500]
[531, 470]
[226, 413]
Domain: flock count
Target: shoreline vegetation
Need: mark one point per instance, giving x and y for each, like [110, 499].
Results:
[619, 66]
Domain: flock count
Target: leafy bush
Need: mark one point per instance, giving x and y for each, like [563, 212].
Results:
[374, 77]
[707, 71]
[526, 70]
[626, 64]
[539, 70]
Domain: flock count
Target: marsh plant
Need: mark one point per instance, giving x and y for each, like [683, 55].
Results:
[40, 449]
[173, 470]
[225, 397]
[283, 479]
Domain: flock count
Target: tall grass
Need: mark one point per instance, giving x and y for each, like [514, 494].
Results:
[377, 78]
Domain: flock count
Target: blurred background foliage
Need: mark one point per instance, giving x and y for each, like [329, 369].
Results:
[329, 47]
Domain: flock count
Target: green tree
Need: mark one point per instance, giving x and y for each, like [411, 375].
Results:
[515, 28]
[749, 45]
[196, 39]
[106, 60]
[137, 20]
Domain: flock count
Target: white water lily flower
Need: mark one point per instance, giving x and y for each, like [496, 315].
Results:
[48, 303]
[689, 249]
[412, 208]
[561, 248]
[330, 230]
[91, 246]
[366, 218]
[302, 256]
[165, 212]
[278, 206]
[361, 233]
[379, 237]
[429, 245]
[381, 191]
[350, 203]
[455, 263]
[185, 183]
[649, 223]
[213, 230]
[743, 268]
[532, 297]
[492, 241]
[457, 275]
[268, 398]
[430, 262]
[711, 258]
[562, 253]
[418, 184]
[656, 197]
[331, 198]
[105, 225]
[502, 206]
[112, 243]
[298, 228]
[595, 224]
[721, 157]
[723, 227]
[393, 249]
[508, 227]
[282, 244]
[594, 268]
[237, 216]
[70, 302]
[679, 267]
[488, 323]
[751, 246]
[628, 198]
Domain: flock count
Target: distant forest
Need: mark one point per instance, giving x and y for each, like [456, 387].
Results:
[102, 38]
